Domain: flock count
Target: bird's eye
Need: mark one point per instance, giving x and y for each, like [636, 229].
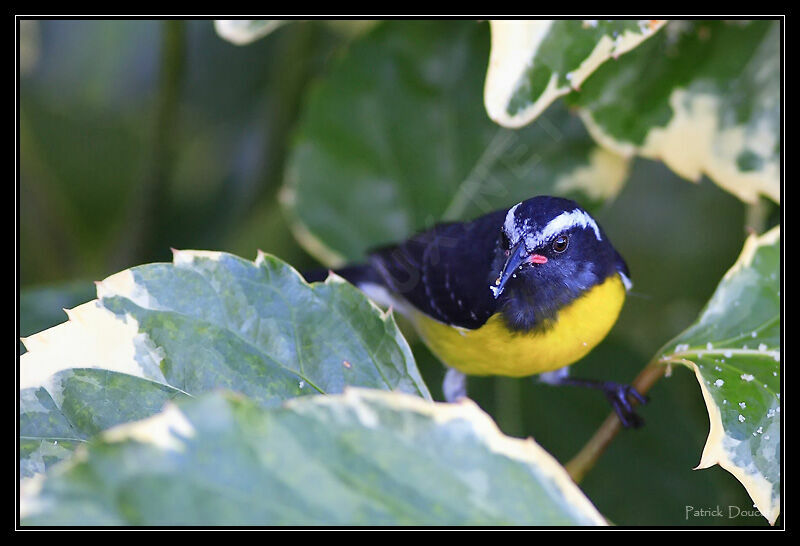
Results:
[561, 243]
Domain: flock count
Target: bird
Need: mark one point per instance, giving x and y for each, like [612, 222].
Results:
[521, 291]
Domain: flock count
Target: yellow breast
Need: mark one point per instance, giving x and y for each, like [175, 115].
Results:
[493, 349]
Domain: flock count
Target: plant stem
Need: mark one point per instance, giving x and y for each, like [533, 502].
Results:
[586, 458]
[756, 216]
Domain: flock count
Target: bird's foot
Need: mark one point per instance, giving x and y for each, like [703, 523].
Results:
[621, 397]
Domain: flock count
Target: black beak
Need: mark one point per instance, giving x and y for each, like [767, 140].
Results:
[515, 259]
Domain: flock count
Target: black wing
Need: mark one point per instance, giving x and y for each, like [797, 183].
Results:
[445, 272]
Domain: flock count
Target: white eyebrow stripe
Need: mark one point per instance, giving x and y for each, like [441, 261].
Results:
[563, 222]
[510, 224]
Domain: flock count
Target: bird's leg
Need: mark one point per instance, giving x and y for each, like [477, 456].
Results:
[454, 386]
[619, 395]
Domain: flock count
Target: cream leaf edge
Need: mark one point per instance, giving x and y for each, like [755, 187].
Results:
[714, 452]
[601, 179]
[237, 32]
[693, 144]
[94, 337]
[525, 451]
[513, 51]
[170, 429]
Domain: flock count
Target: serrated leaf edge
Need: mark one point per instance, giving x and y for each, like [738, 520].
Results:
[523, 450]
[169, 429]
[121, 336]
[714, 451]
[110, 335]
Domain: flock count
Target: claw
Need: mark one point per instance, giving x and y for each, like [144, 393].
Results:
[619, 396]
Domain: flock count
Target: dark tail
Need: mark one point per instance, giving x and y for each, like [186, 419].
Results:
[355, 274]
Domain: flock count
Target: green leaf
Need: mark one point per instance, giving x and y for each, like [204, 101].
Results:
[532, 63]
[245, 31]
[363, 458]
[734, 350]
[703, 96]
[396, 139]
[162, 332]
[37, 456]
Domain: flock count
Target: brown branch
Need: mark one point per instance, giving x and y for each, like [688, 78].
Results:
[586, 458]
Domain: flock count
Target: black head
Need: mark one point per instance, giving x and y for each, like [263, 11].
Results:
[551, 251]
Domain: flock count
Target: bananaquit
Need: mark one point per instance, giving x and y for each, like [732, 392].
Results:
[517, 292]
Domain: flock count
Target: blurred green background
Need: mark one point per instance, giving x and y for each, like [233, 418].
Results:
[138, 136]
